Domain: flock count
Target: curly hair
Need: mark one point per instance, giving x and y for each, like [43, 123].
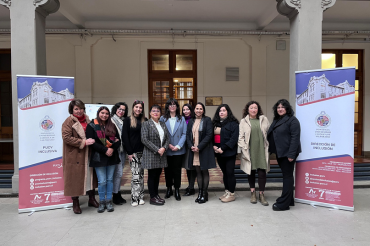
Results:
[167, 113]
[216, 119]
[285, 103]
[117, 106]
[246, 109]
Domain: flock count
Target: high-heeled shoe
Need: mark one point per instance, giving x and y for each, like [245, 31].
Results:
[177, 194]
[199, 195]
[189, 192]
[169, 192]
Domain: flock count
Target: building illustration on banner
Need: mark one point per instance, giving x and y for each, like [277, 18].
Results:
[42, 93]
[319, 88]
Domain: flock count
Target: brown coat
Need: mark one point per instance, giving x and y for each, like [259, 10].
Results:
[78, 176]
[243, 142]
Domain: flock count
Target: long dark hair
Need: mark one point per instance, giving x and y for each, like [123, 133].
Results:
[230, 116]
[286, 105]
[246, 109]
[117, 106]
[167, 113]
[110, 129]
[133, 121]
[204, 109]
[190, 108]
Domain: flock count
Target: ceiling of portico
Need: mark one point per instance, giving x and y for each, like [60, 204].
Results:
[193, 14]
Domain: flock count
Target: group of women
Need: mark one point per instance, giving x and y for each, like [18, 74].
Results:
[94, 151]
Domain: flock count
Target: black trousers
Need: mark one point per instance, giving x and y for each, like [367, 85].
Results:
[192, 175]
[227, 165]
[172, 173]
[287, 197]
[153, 181]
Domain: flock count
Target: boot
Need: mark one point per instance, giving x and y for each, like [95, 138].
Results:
[224, 195]
[101, 207]
[263, 200]
[253, 197]
[109, 205]
[177, 194]
[118, 199]
[169, 192]
[199, 195]
[92, 201]
[76, 205]
[229, 197]
[203, 198]
[189, 192]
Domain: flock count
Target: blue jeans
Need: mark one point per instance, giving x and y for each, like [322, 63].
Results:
[105, 181]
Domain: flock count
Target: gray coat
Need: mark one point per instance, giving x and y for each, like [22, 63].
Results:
[152, 143]
[206, 152]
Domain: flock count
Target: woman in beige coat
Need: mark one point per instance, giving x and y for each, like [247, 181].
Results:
[78, 176]
[254, 146]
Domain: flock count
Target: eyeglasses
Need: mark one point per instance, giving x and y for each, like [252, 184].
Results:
[172, 105]
[122, 110]
[156, 111]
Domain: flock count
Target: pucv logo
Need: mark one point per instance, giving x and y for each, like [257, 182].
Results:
[323, 120]
[47, 124]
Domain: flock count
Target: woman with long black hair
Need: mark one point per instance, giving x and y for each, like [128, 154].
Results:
[226, 133]
[202, 156]
[284, 138]
[188, 113]
[104, 155]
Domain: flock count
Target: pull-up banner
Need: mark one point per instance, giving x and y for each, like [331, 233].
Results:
[325, 104]
[42, 108]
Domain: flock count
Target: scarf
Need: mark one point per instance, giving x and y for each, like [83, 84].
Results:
[221, 123]
[82, 121]
[101, 135]
[187, 118]
[119, 124]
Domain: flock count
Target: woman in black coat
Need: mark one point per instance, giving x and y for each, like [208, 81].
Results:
[104, 155]
[226, 134]
[201, 157]
[284, 141]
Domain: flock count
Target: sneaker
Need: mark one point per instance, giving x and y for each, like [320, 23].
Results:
[229, 198]
[224, 195]
[109, 205]
[141, 202]
[101, 207]
[134, 204]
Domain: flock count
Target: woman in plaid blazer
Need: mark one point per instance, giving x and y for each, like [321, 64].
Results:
[154, 136]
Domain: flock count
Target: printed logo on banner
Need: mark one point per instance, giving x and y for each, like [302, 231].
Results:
[323, 120]
[47, 124]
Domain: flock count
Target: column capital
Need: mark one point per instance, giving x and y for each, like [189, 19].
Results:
[290, 8]
[46, 7]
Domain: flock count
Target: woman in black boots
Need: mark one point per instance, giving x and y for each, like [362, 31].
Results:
[201, 157]
[188, 113]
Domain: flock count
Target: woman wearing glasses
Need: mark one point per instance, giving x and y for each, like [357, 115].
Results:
[119, 113]
[154, 136]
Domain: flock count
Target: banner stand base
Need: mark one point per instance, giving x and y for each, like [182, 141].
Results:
[322, 204]
[25, 210]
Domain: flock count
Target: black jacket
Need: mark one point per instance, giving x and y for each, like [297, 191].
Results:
[131, 137]
[286, 134]
[98, 158]
[206, 152]
[229, 139]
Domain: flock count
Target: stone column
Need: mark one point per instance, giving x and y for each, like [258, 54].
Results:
[28, 52]
[305, 35]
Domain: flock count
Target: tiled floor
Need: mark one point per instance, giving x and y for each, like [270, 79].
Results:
[187, 223]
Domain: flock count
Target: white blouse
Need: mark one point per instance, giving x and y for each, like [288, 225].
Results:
[160, 130]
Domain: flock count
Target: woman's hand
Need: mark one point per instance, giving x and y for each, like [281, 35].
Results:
[215, 149]
[194, 149]
[171, 147]
[89, 141]
[290, 159]
[109, 152]
[219, 150]
[161, 151]
[116, 140]
[130, 157]
[175, 149]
